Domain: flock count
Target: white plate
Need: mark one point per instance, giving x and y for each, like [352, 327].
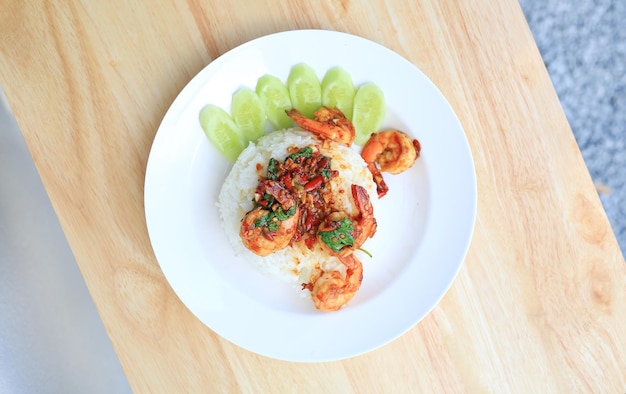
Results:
[425, 221]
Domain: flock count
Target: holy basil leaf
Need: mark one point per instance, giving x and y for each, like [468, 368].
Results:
[269, 222]
[273, 226]
[262, 221]
[326, 173]
[271, 169]
[304, 152]
[269, 198]
[340, 237]
[282, 215]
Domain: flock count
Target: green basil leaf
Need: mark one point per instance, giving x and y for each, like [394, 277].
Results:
[326, 172]
[262, 221]
[340, 237]
[282, 215]
[273, 226]
[269, 198]
[271, 169]
[269, 222]
[304, 152]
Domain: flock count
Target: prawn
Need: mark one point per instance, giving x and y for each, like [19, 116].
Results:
[331, 290]
[272, 224]
[263, 234]
[389, 151]
[329, 123]
[342, 234]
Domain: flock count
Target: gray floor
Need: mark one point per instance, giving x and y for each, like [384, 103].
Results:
[51, 337]
[583, 44]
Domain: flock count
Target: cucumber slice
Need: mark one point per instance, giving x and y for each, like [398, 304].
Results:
[222, 131]
[305, 89]
[338, 91]
[369, 111]
[248, 113]
[275, 98]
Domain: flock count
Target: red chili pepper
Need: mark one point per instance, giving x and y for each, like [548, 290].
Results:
[314, 183]
[309, 242]
[287, 181]
[309, 222]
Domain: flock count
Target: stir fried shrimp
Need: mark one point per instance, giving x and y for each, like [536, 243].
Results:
[343, 234]
[393, 150]
[265, 232]
[365, 221]
[389, 151]
[273, 221]
[329, 123]
[296, 195]
[331, 290]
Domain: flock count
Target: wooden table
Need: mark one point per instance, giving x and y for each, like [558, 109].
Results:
[540, 303]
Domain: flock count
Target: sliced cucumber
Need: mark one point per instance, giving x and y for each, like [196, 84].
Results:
[275, 99]
[222, 131]
[305, 89]
[369, 111]
[248, 113]
[338, 91]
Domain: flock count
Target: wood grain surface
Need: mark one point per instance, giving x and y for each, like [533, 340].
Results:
[540, 303]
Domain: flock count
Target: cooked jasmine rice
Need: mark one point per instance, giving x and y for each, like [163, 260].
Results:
[292, 264]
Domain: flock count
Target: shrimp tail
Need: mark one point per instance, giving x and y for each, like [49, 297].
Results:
[329, 123]
[381, 185]
[418, 148]
[366, 222]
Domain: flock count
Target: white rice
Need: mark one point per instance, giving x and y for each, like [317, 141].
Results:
[292, 264]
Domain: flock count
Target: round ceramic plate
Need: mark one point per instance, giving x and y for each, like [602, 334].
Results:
[425, 222]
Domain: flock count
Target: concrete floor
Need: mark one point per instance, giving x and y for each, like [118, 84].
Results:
[583, 44]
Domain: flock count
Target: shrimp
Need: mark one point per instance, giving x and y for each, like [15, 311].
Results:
[342, 234]
[263, 233]
[272, 224]
[331, 290]
[365, 221]
[329, 123]
[391, 150]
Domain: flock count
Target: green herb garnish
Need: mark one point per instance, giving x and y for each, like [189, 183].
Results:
[266, 221]
[271, 169]
[272, 219]
[340, 237]
[366, 252]
[269, 198]
[282, 215]
[326, 173]
[304, 152]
